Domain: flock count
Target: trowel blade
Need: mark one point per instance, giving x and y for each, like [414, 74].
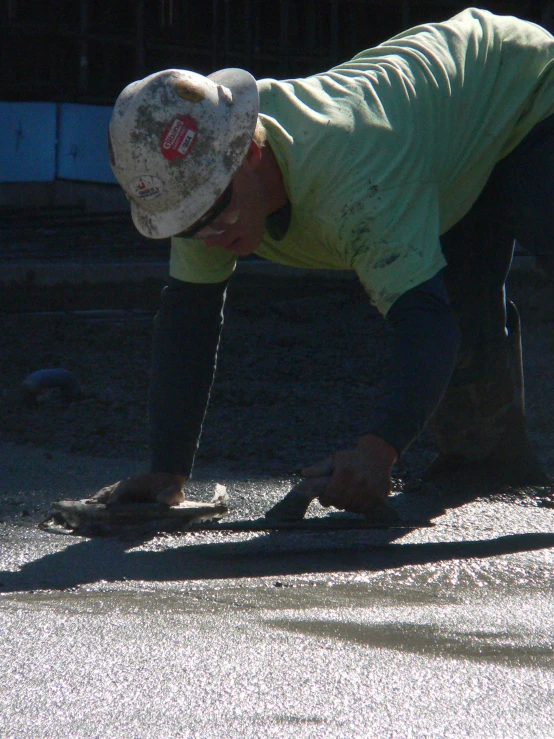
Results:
[296, 502]
[81, 516]
[325, 523]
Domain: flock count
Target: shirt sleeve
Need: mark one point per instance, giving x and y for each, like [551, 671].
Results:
[186, 337]
[426, 342]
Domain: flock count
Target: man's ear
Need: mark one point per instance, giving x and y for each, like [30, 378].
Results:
[253, 155]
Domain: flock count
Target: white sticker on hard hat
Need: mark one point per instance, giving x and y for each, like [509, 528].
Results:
[178, 137]
[147, 187]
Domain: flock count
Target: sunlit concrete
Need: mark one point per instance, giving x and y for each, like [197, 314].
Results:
[436, 632]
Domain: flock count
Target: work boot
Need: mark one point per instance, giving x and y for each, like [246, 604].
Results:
[480, 423]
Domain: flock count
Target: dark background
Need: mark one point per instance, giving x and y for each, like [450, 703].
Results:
[301, 359]
[88, 50]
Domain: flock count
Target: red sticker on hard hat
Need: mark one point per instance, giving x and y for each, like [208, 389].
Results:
[179, 137]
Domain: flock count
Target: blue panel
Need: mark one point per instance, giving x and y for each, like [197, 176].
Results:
[82, 152]
[27, 142]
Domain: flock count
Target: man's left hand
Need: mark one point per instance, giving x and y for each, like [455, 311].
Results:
[360, 477]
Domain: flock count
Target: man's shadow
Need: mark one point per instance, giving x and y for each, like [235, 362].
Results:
[115, 559]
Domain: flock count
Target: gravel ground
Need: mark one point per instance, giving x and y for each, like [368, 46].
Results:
[300, 362]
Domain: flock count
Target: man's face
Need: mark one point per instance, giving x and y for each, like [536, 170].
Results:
[240, 226]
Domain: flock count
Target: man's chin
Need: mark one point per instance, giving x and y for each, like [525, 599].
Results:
[241, 247]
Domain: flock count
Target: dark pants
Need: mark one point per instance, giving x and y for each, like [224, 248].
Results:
[517, 203]
[482, 413]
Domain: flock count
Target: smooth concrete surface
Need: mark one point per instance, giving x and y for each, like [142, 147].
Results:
[437, 632]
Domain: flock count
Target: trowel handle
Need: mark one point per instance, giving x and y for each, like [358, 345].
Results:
[296, 502]
[310, 486]
[294, 505]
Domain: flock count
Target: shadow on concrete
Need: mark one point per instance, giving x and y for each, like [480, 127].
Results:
[109, 560]
[489, 647]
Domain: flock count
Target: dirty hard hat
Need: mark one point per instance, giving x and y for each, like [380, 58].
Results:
[175, 141]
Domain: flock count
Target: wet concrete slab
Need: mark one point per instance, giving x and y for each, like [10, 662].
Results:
[442, 631]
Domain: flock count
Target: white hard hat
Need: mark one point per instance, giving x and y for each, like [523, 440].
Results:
[176, 140]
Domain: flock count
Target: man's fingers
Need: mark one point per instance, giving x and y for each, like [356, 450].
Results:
[112, 493]
[359, 478]
[102, 495]
[122, 492]
[146, 488]
[327, 498]
[319, 469]
[352, 498]
[130, 491]
[346, 500]
[312, 486]
[338, 490]
[172, 495]
[347, 492]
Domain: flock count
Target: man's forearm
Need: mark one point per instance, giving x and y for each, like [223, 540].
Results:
[426, 342]
[186, 336]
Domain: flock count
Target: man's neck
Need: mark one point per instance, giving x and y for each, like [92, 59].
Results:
[275, 193]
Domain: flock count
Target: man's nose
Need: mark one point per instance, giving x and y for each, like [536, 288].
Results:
[229, 216]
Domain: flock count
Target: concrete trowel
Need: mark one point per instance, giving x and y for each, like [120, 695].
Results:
[88, 518]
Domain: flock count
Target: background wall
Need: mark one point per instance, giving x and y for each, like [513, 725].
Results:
[86, 51]
[63, 62]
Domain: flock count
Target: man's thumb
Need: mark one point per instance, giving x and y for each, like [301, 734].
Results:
[171, 495]
[319, 469]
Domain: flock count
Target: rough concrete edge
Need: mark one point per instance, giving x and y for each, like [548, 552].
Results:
[54, 274]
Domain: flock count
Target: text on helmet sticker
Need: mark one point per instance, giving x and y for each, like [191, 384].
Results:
[146, 187]
[178, 138]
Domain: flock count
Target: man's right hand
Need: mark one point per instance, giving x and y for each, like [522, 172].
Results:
[148, 488]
